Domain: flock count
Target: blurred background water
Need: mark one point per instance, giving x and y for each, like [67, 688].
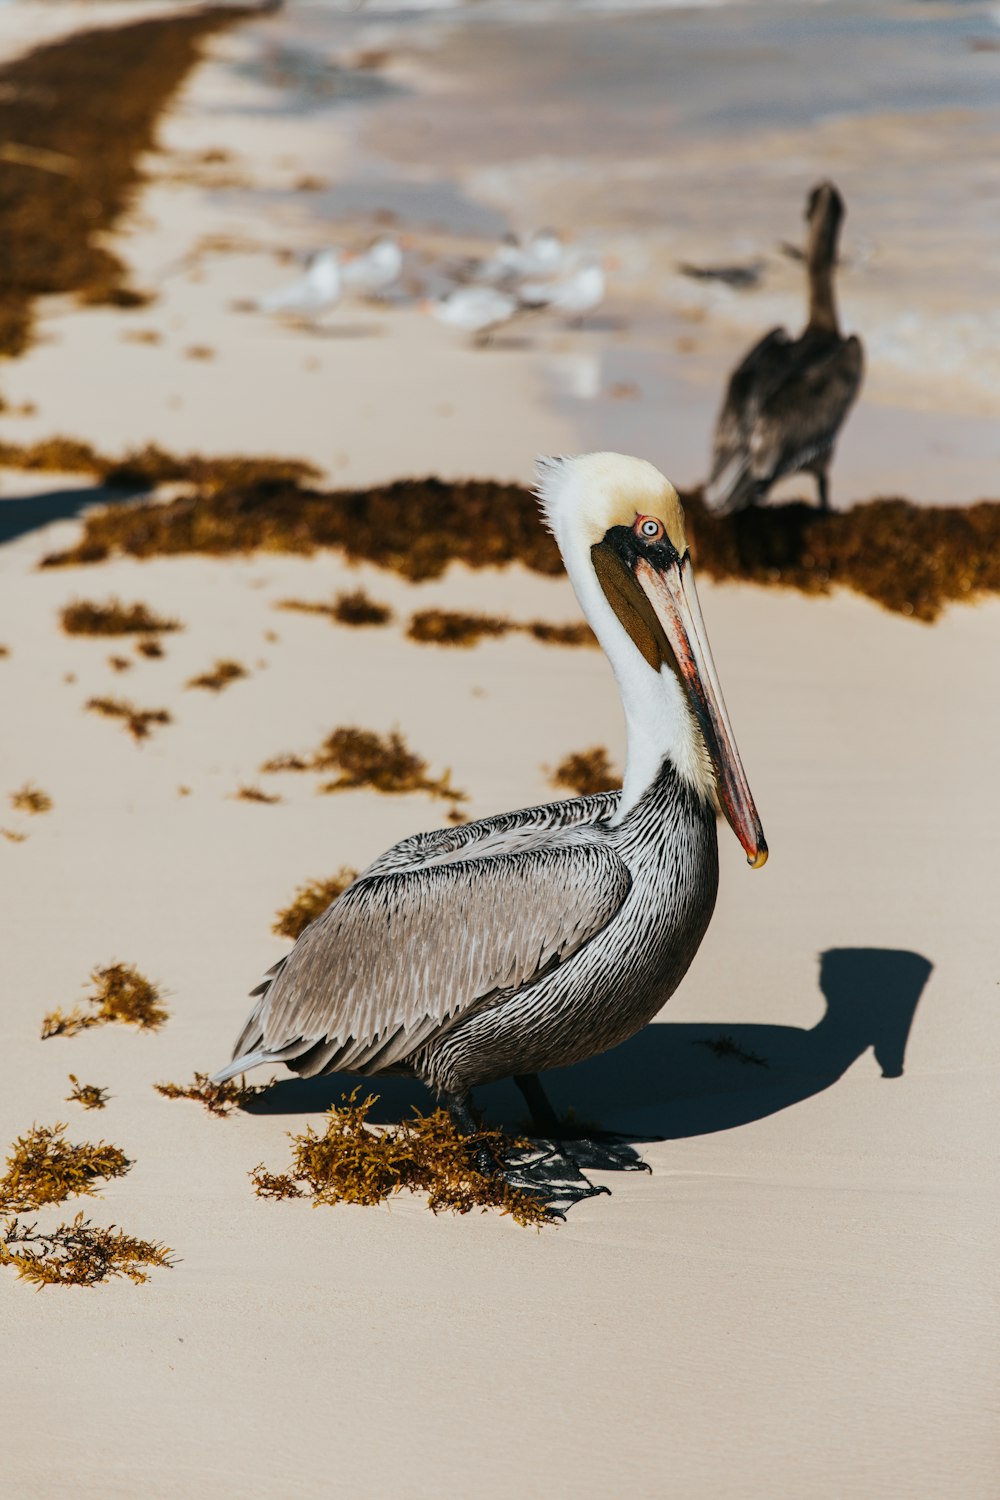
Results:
[658, 134]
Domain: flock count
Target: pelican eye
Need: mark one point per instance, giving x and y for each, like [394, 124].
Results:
[649, 528]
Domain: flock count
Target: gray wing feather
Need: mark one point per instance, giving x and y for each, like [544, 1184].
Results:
[400, 956]
[803, 415]
[513, 830]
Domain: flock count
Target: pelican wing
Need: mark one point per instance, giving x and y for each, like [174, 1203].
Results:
[503, 833]
[750, 384]
[803, 415]
[403, 955]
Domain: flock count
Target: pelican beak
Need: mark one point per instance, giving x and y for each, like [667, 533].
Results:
[672, 595]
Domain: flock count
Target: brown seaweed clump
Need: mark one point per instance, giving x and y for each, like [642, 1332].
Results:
[356, 608]
[309, 902]
[120, 993]
[256, 794]
[87, 1094]
[586, 772]
[220, 676]
[31, 800]
[43, 1167]
[150, 648]
[114, 618]
[138, 721]
[218, 1098]
[77, 116]
[79, 1253]
[446, 627]
[350, 1162]
[449, 627]
[366, 759]
[382, 762]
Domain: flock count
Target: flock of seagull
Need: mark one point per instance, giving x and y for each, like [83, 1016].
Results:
[529, 275]
[786, 399]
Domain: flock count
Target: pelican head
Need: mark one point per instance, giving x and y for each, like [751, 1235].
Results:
[620, 528]
[825, 213]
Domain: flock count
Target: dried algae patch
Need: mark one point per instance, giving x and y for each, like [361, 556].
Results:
[43, 1167]
[255, 794]
[31, 799]
[79, 1253]
[445, 627]
[87, 1094]
[120, 994]
[138, 721]
[309, 902]
[78, 115]
[383, 762]
[350, 1162]
[366, 759]
[355, 608]
[218, 1098]
[587, 772]
[220, 676]
[82, 617]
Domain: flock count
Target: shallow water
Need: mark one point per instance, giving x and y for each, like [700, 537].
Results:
[658, 134]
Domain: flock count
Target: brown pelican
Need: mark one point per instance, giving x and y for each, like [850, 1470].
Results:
[787, 400]
[535, 939]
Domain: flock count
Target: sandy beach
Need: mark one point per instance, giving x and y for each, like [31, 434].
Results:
[799, 1302]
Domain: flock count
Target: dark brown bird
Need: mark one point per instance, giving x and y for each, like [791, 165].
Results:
[788, 398]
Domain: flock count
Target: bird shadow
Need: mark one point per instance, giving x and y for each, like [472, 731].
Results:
[22, 514]
[344, 330]
[677, 1079]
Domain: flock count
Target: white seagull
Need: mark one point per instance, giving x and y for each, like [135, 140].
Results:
[478, 310]
[575, 295]
[310, 295]
[375, 270]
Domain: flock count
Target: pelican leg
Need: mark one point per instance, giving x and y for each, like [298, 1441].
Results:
[823, 486]
[596, 1150]
[459, 1106]
[546, 1172]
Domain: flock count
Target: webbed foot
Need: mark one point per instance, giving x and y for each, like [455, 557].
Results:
[546, 1172]
[602, 1151]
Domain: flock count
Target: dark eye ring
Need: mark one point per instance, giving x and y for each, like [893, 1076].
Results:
[649, 528]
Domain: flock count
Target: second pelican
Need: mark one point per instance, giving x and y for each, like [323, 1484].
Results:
[535, 939]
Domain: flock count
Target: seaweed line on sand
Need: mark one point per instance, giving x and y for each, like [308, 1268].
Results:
[77, 116]
[913, 559]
